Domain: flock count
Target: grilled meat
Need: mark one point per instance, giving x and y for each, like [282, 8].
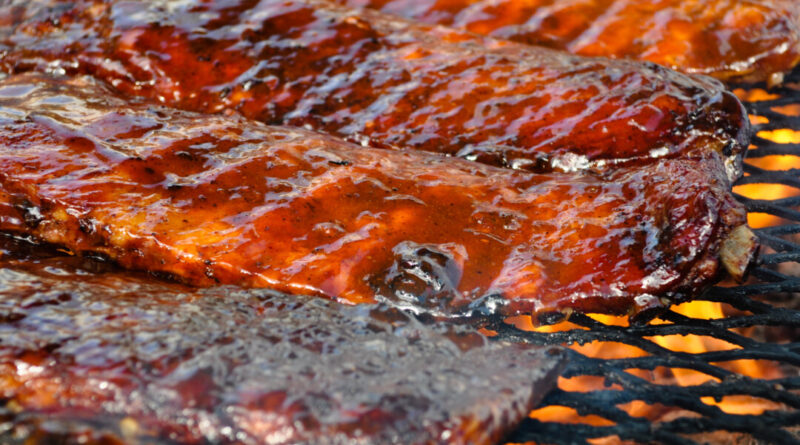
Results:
[214, 199]
[381, 81]
[741, 40]
[111, 358]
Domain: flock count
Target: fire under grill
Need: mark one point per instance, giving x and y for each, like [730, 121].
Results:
[728, 372]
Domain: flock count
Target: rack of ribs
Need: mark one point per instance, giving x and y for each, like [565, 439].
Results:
[102, 357]
[382, 81]
[213, 199]
[734, 40]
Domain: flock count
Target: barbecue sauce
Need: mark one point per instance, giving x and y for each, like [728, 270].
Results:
[734, 40]
[212, 200]
[378, 80]
[94, 356]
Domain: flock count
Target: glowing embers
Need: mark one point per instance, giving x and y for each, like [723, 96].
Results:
[771, 167]
[708, 345]
[665, 353]
[755, 94]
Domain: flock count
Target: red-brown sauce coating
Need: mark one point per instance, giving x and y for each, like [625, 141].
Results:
[212, 199]
[378, 80]
[728, 39]
[93, 356]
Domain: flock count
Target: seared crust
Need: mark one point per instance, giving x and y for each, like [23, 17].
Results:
[214, 199]
[381, 81]
[732, 40]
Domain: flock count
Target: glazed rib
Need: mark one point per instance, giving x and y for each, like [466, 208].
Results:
[212, 199]
[381, 81]
[110, 358]
[733, 40]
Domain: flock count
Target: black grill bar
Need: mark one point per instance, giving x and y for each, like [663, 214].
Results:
[769, 302]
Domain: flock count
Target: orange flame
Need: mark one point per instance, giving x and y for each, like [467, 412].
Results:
[696, 344]
[693, 344]
[773, 163]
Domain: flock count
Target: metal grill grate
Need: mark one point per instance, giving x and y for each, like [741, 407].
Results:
[762, 319]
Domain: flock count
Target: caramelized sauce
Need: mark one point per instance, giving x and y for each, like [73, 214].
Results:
[739, 40]
[93, 356]
[381, 81]
[214, 199]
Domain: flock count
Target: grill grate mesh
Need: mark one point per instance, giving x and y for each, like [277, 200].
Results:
[762, 321]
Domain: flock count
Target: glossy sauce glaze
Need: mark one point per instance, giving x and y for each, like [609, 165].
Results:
[380, 81]
[729, 39]
[93, 356]
[213, 199]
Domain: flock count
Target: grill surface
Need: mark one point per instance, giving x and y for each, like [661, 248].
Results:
[763, 321]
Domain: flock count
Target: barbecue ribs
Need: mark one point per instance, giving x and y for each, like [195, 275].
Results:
[218, 199]
[110, 359]
[740, 40]
[380, 81]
